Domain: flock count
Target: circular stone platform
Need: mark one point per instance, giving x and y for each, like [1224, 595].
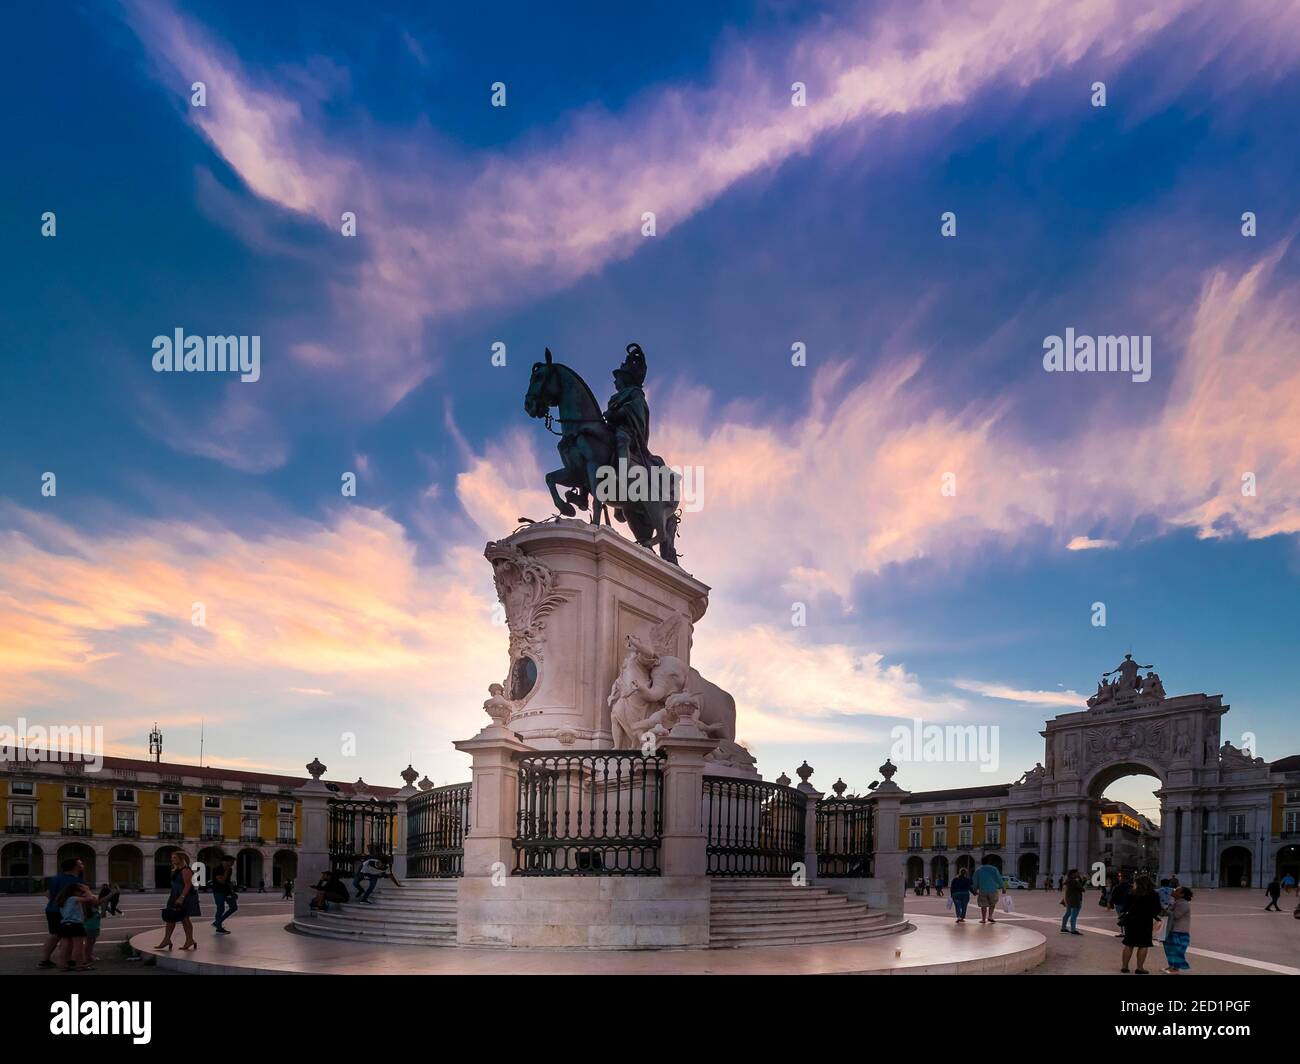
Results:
[261, 945]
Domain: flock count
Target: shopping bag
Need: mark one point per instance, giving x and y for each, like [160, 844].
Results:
[1007, 905]
[1158, 935]
[949, 904]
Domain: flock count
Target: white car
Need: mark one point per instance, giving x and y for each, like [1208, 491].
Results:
[1012, 883]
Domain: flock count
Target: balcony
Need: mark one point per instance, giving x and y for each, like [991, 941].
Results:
[256, 840]
[82, 832]
[286, 840]
[1290, 835]
[1237, 835]
[916, 849]
[210, 837]
[1029, 844]
[940, 846]
[126, 833]
[990, 844]
[20, 829]
[171, 835]
[965, 847]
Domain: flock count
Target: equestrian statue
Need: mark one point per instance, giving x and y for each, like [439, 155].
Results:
[607, 463]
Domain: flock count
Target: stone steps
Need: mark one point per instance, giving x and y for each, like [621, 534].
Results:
[778, 913]
[419, 912]
[429, 936]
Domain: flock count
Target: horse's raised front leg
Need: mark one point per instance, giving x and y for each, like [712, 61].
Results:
[552, 479]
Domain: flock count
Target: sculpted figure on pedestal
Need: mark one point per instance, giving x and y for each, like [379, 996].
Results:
[649, 695]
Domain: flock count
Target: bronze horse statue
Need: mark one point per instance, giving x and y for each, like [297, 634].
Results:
[586, 447]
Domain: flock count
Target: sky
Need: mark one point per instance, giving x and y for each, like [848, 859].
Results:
[946, 511]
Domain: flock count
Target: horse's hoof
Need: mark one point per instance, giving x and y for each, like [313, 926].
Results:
[567, 510]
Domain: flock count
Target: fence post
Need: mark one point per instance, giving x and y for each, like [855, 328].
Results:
[682, 851]
[400, 843]
[888, 871]
[494, 800]
[811, 797]
[314, 851]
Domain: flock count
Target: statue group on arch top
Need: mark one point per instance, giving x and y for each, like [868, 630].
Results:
[1128, 684]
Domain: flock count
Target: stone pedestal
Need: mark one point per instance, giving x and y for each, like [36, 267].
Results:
[885, 889]
[573, 592]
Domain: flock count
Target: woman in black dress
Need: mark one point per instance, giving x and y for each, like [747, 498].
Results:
[1140, 916]
[182, 903]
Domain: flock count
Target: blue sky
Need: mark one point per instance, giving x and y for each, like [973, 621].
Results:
[775, 225]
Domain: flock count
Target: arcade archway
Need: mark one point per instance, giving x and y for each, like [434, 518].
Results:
[1027, 869]
[22, 858]
[1234, 867]
[1288, 862]
[126, 866]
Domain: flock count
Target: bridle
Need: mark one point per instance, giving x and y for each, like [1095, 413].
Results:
[547, 420]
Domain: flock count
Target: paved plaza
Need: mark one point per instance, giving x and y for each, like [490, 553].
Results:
[1231, 933]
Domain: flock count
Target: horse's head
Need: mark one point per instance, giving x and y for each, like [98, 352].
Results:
[543, 388]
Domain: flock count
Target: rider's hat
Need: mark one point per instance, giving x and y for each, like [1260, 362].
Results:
[634, 365]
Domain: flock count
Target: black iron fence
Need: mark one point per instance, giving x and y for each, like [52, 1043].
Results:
[846, 838]
[435, 832]
[360, 828]
[589, 813]
[752, 828]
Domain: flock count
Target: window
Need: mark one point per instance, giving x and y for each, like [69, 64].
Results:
[1292, 796]
[171, 798]
[211, 801]
[995, 818]
[76, 817]
[1108, 833]
[916, 822]
[171, 823]
[940, 821]
[1237, 824]
[1293, 821]
[22, 787]
[124, 819]
[286, 808]
[125, 794]
[941, 837]
[1030, 835]
[23, 816]
[75, 790]
[286, 829]
[964, 818]
[251, 805]
[914, 840]
[963, 836]
[993, 834]
[249, 827]
[211, 825]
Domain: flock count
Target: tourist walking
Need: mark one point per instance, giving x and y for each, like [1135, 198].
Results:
[288, 888]
[960, 894]
[182, 903]
[1072, 899]
[1274, 891]
[988, 884]
[1178, 933]
[72, 870]
[1141, 915]
[939, 884]
[223, 893]
[1288, 882]
[1119, 899]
